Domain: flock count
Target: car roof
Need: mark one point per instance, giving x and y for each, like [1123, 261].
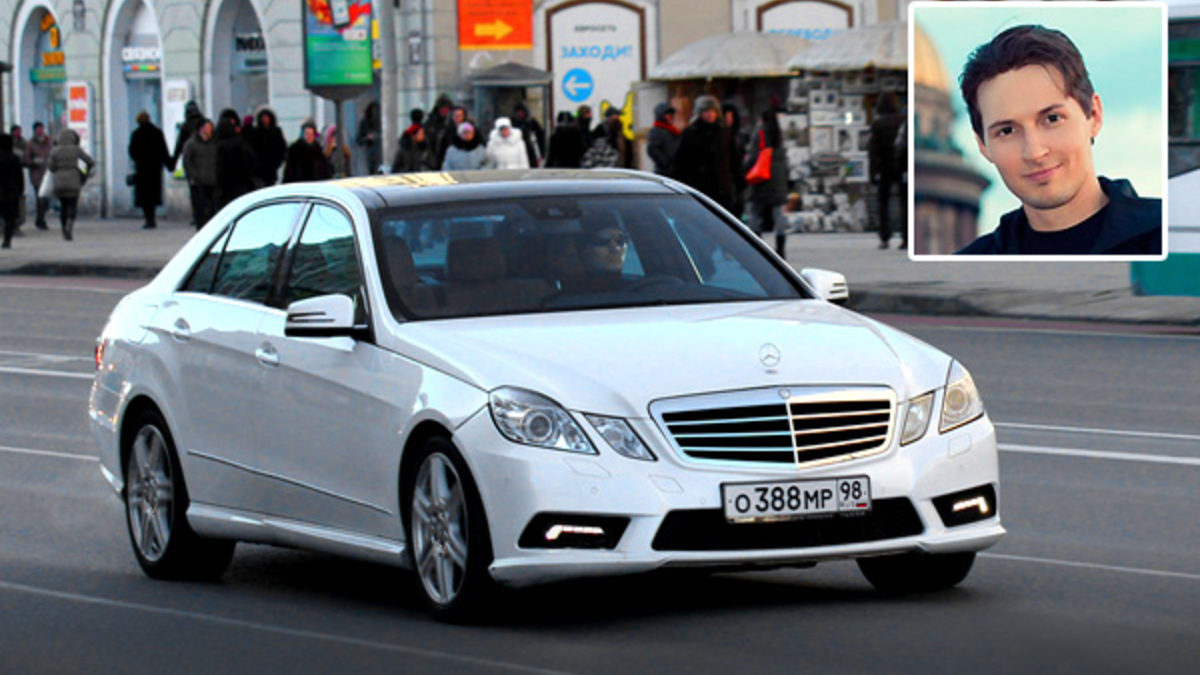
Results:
[408, 189]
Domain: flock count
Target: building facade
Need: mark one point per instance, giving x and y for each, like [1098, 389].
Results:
[92, 65]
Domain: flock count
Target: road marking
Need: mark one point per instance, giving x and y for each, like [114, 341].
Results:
[49, 358]
[47, 453]
[1094, 566]
[1100, 454]
[46, 373]
[277, 630]
[1100, 432]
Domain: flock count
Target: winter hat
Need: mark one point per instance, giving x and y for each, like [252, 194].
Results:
[465, 127]
[662, 110]
[502, 122]
[707, 102]
[416, 115]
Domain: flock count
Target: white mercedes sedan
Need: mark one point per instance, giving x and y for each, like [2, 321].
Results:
[507, 378]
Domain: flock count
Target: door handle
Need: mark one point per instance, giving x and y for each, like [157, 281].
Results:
[181, 331]
[267, 355]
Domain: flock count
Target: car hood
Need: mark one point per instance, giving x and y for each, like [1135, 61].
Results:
[618, 361]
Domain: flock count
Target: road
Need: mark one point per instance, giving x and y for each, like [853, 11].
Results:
[1100, 436]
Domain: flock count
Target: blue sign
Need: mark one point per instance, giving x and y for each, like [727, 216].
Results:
[578, 85]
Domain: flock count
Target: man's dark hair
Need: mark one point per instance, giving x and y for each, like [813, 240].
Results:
[1016, 48]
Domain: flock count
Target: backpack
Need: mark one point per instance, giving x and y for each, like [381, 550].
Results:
[601, 155]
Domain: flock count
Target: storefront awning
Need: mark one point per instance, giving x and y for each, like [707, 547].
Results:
[882, 46]
[732, 55]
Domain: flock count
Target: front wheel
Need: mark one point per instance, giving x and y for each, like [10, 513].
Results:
[156, 501]
[917, 572]
[448, 534]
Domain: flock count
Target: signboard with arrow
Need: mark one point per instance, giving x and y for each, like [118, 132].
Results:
[495, 24]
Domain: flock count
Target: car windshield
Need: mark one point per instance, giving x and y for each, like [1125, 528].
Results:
[568, 253]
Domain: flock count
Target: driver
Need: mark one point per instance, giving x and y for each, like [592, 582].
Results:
[601, 253]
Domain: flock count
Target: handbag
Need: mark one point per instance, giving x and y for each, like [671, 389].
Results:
[46, 189]
[761, 171]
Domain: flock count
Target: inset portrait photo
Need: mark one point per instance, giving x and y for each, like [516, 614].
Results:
[1037, 130]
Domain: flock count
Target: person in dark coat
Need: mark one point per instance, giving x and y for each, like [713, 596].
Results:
[663, 140]
[583, 117]
[438, 121]
[705, 157]
[566, 143]
[235, 164]
[767, 198]
[12, 188]
[417, 154]
[532, 132]
[200, 165]
[37, 159]
[733, 120]
[148, 150]
[306, 160]
[368, 136]
[416, 118]
[266, 138]
[442, 144]
[885, 169]
[65, 159]
[192, 117]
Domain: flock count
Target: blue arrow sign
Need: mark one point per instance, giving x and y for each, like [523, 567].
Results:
[578, 85]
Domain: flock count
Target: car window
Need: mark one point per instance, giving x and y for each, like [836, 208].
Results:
[247, 267]
[573, 252]
[325, 260]
[201, 279]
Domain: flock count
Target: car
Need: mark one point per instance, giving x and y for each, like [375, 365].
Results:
[501, 379]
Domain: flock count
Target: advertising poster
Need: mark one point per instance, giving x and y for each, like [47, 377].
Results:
[596, 54]
[337, 43]
[495, 24]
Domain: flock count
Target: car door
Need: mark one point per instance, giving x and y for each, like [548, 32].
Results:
[335, 403]
[209, 337]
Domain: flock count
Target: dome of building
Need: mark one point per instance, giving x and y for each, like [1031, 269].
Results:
[927, 63]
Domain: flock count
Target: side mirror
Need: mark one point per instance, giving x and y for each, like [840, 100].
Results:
[324, 316]
[830, 286]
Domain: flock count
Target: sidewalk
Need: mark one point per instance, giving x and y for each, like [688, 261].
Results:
[883, 281]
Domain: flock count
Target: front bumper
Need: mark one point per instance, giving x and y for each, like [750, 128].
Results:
[520, 483]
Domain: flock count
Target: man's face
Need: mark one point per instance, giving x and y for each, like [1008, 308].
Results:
[605, 250]
[710, 115]
[39, 132]
[459, 115]
[206, 131]
[310, 134]
[16, 132]
[1038, 137]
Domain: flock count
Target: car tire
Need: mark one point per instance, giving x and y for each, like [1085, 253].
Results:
[156, 501]
[916, 572]
[448, 538]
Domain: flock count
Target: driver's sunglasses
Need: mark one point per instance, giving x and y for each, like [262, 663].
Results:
[618, 240]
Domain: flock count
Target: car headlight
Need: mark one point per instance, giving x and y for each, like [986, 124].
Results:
[621, 437]
[916, 419]
[532, 419]
[961, 402]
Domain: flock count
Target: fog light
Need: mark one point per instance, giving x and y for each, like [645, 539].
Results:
[565, 530]
[968, 506]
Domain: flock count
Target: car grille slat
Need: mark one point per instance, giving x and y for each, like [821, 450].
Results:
[808, 427]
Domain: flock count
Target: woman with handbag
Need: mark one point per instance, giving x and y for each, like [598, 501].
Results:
[68, 179]
[767, 174]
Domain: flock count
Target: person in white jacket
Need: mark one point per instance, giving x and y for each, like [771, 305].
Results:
[506, 147]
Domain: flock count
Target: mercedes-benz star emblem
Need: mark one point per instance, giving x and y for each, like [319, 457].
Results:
[769, 355]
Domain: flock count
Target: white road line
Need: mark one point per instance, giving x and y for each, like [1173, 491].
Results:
[1100, 454]
[1100, 432]
[47, 453]
[1094, 566]
[46, 373]
[277, 630]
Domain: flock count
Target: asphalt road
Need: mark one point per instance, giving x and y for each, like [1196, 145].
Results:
[1100, 573]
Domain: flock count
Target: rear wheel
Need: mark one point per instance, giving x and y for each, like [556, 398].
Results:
[156, 501]
[448, 534]
[917, 572]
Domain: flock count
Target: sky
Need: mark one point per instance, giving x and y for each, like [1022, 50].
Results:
[1123, 49]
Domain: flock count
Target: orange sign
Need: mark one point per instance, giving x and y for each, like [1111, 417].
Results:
[495, 24]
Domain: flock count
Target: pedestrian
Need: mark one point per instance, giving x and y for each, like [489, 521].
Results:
[416, 119]
[467, 152]
[663, 140]
[885, 170]
[37, 158]
[192, 117]
[438, 120]
[613, 127]
[65, 160]
[339, 162]
[18, 150]
[269, 145]
[766, 199]
[606, 149]
[200, 166]
[705, 157]
[506, 147]
[733, 120]
[532, 131]
[368, 137]
[12, 188]
[458, 115]
[148, 150]
[583, 116]
[306, 159]
[566, 143]
[417, 154]
[235, 163]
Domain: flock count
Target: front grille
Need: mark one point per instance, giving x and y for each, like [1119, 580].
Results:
[813, 427]
[707, 529]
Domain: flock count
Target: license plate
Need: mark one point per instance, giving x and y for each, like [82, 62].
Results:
[745, 502]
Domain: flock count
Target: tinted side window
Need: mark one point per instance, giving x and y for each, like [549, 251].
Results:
[325, 260]
[248, 265]
[202, 277]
